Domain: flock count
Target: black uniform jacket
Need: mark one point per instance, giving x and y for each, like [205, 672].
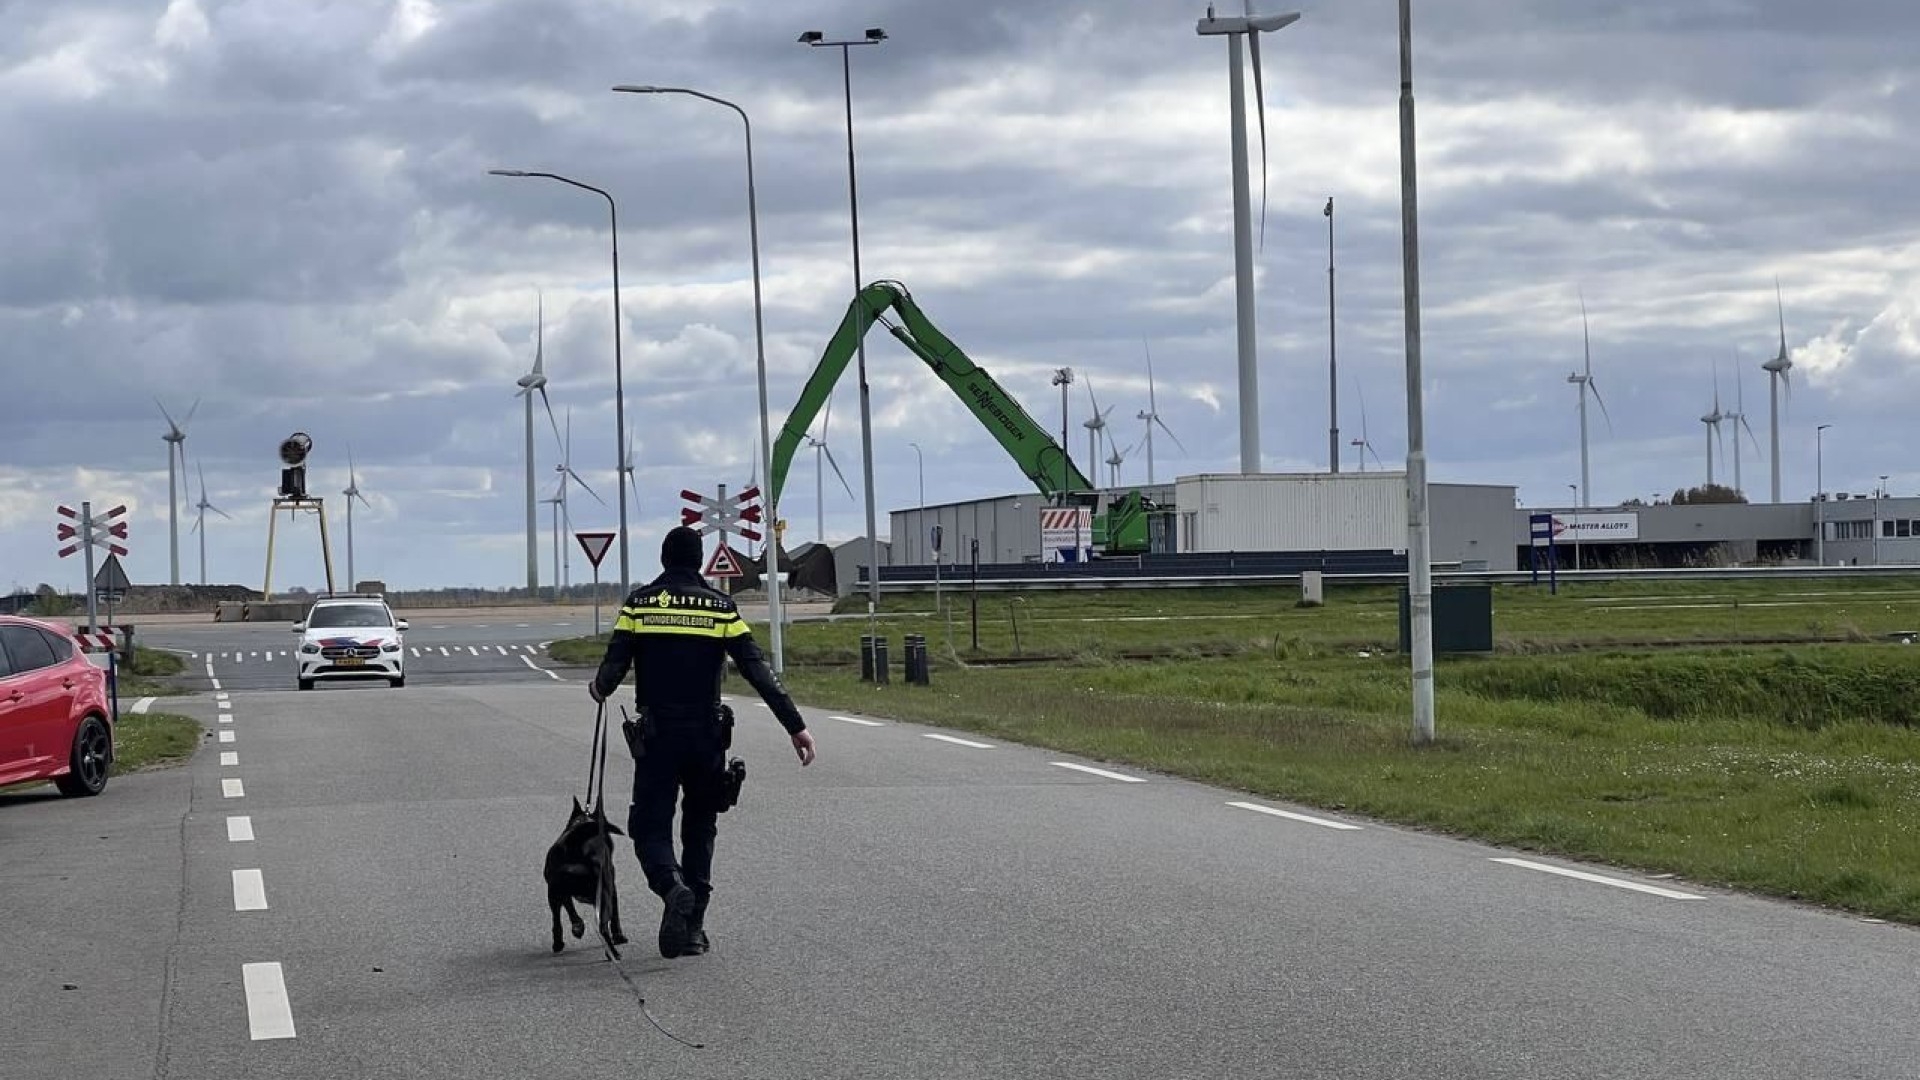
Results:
[676, 633]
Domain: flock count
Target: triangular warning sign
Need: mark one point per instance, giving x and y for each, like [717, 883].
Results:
[723, 564]
[595, 544]
[111, 577]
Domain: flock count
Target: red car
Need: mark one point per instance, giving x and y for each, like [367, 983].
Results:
[55, 723]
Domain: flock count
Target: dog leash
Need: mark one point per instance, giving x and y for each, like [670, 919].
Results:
[596, 794]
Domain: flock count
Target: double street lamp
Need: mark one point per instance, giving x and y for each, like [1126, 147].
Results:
[817, 40]
[760, 358]
[619, 389]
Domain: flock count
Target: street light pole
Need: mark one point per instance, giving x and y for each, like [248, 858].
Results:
[619, 387]
[1819, 495]
[1419, 539]
[775, 611]
[1878, 494]
[920, 463]
[1333, 367]
[874, 36]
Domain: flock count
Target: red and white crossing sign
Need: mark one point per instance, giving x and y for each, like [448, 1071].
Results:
[595, 544]
[723, 513]
[723, 563]
[83, 528]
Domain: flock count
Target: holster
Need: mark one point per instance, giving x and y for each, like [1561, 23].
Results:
[637, 732]
[731, 780]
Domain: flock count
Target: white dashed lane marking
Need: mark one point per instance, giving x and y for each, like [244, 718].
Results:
[1101, 772]
[239, 829]
[1291, 816]
[269, 1013]
[857, 720]
[224, 704]
[249, 891]
[229, 759]
[231, 788]
[1598, 879]
[957, 741]
[226, 736]
[140, 707]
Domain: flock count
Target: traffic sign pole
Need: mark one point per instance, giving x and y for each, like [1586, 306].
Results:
[729, 514]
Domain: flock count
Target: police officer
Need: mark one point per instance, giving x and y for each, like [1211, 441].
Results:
[676, 632]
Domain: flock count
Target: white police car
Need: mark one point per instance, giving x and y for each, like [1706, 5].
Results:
[351, 637]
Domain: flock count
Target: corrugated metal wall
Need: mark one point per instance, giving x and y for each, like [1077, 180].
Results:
[1293, 512]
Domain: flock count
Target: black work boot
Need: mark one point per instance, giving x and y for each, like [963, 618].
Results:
[675, 920]
[697, 942]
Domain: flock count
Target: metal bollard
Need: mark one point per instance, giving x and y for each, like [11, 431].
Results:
[917, 659]
[880, 676]
[866, 657]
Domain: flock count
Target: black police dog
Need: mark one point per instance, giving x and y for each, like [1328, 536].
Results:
[580, 867]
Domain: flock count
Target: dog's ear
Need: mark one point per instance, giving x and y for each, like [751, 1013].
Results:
[614, 830]
[577, 811]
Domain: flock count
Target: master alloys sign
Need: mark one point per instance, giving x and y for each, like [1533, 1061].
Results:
[1592, 529]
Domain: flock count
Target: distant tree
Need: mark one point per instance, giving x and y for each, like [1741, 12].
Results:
[1707, 494]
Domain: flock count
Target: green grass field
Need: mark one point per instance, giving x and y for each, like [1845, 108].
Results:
[148, 674]
[153, 740]
[1622, 723]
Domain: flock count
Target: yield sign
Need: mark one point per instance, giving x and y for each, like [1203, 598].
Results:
[723, 564]
[595, 544]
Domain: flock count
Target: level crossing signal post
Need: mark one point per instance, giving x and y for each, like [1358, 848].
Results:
[738, 514]
[82, 532]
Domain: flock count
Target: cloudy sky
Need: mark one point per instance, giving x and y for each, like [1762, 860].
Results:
[280, 209]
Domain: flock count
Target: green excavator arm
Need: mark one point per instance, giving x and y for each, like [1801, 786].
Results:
[1025, 439]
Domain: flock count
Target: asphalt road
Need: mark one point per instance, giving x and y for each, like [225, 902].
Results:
[909, 906]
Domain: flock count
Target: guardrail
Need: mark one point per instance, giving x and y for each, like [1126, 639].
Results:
[899, 579]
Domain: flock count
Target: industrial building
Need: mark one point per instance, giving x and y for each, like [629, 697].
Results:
[1357, 522]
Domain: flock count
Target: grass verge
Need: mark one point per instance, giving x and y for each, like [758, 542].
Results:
[580, 650]
[147, 675]
[153, 740]
[1608, 759]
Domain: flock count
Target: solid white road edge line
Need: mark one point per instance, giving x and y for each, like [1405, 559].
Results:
[226, 736]
[957, 742]
[1597, 879]
[269, 1013]
[229, 757]
[239, 829]
[230, 788]
[857, 720]
[249, 891]
[140, 707]
[1291, 816]
[1101, 772]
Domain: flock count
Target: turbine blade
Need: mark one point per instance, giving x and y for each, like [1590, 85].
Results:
[836, 470]
[551, 419]
[1151, 405]
[1586, 340]
[1595, 387]
[1170, 434]
[171, 426]
[583, 483]
[194, 408]
[540, 335]
[197, 519]
[1260, 106]
[219, 511]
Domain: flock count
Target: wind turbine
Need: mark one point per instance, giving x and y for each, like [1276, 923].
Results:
[556, 502]
[820, 450]
[529, 383]
[1777, 373]
[1116, 459]
[565, 469]
[1096, 425]
[1584, 381]
[200, 521]
[1362, 444]
[1739, 418]
[352, 492]
[1250, 27]
[1152, 416]
[176, 440]
[1712, 420]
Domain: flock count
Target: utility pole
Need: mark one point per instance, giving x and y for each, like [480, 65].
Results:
[1419, 548]
[1333, 367]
